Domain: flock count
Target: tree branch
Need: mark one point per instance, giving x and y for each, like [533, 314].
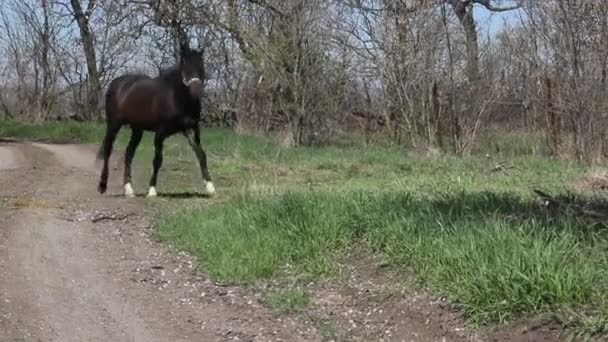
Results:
[90, 8]
[270, 7]
[488, 5]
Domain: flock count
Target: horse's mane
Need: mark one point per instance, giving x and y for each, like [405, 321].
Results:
[170, 74]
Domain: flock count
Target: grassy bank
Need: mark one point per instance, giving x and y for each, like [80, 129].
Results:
[472, 235]
[66, 131]
[469, 234]
[493, 253]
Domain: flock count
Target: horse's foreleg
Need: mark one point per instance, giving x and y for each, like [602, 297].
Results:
[194, 139]
[159, 139]
[105, 152]
[136, 135]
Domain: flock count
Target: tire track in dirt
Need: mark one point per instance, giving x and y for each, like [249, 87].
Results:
[65, 278]
[71, 156]
[9, 160]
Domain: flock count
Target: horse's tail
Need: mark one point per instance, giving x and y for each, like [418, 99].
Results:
[110, 113]
[102, 146]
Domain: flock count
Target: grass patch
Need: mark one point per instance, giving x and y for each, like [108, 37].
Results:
[491, 253]
[287, 301]
[326, 327]
[512, 144]
[469, 234]
[66, 131]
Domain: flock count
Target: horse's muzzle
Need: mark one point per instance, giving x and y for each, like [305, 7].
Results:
[194, 86]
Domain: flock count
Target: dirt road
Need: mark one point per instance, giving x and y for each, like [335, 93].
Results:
[78, 266]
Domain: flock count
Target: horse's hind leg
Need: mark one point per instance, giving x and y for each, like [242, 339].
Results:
[136, 135]
[105, 152]
[159, 139]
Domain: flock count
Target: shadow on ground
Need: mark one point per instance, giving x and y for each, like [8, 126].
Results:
[172, 195]
[583, 209]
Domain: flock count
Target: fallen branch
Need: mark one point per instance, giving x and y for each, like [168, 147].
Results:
[110, 217]
[503, 167]
[586, 208]
[545, 199]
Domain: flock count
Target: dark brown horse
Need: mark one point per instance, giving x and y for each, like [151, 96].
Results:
[165, 105]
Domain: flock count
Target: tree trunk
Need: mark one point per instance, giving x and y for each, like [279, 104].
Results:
[45, 102]
[554, 121]
[93, 83]
[464, 12]
[396, 113]
[436, 133]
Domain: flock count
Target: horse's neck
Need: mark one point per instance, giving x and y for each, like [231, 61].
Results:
[182, 96]
[190, 105]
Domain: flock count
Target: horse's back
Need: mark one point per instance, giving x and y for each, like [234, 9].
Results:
[121, 83]
[137, 99]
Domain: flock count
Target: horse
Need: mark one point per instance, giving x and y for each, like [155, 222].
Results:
[166, 105]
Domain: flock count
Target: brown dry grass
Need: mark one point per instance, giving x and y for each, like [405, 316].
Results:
[32, 203]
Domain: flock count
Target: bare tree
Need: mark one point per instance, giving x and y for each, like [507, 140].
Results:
[83, 17]
[419, 71]
[30, 50]
[285, 44]
[569, 34]
[464, 11]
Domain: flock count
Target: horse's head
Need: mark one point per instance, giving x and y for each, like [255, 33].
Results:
[192, 70]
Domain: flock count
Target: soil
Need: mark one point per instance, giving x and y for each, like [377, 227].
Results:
[79, 266]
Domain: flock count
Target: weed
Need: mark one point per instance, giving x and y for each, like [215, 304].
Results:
[287, 301]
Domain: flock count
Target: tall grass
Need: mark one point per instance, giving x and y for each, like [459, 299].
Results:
[469, 234]
[491, 253]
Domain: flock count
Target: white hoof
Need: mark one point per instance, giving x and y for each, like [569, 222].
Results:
[129, 190]
[209, 188]
[152, 192]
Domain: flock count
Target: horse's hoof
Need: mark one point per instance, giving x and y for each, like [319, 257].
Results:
[209, 188]
[101, 188]
[129, 190]
[152, 192]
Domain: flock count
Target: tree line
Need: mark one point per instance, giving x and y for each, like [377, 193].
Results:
[417, 72]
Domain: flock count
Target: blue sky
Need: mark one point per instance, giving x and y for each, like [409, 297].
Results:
[493, 21]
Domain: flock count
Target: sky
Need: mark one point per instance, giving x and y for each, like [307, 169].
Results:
[494, 21]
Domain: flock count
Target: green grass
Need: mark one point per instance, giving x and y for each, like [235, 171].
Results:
[468, 234]
[491, 253]
[67, 131]
[512, 144]
[287, 301]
